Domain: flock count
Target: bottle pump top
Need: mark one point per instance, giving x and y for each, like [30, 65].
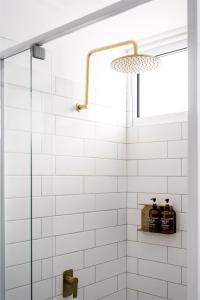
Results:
[154, 201]
[167, 202]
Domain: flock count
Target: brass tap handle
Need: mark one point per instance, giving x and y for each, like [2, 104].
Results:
[70, 284]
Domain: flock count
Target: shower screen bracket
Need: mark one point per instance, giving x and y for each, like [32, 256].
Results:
[79, 106]
[38, 52]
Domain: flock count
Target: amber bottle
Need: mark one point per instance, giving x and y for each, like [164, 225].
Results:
[168, 219]
[154, 217]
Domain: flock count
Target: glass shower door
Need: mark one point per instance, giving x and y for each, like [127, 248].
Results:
[17, 176]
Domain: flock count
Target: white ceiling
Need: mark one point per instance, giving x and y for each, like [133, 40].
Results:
[23, 19]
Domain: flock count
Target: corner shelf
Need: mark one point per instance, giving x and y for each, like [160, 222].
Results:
[145, 219]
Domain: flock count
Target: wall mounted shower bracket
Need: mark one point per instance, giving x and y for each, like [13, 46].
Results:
[134, 63]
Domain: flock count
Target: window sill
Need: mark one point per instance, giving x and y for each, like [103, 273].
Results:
[168, 118]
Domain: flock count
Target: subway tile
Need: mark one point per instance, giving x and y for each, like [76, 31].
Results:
[110, 269]
[21, 251]
[74, 128]
[74, 166]
[17, 119]
[147, 150]
[110, 201]
[47, 227]
[70, 204]
[147, 285]
[47, 268]
[67, 146]
[147, 251]
[160, 271]
[17, 164]
[116, 296]
[122, 184]
[101, 289]
[68, 224]
[132, 232]
[122, 216]
[17, 186]
[67, 261]
[122, 151]
[185, 130]
[185, 167]
[131, 200]
[132, 265]
[132, 167]
[68, 185]
[133, 216]
[17, 231]
[36, 228]
[182, 221]
[42, 248]
[23, 292]
[42, 164]
[86, 276]
[43, 123]
[42, 206]
[110, 235]
[17, 141]
[11, 93]
[184, 239]
[17, 208]
[17, 276]
[74, 242]
[100, 149]
[173, 240]
[132, 134]
[122, 248]
[143, 296]
[100, 184]
[177, 149]
[160, 132]
[101, 219]
[43, 289]
[101, 254]
[185, 203]
[177, 256]
[178, 185]
[147, 184]
[184, 276]
[132, 295]
[36, 186]
[177, 291]
[160, 167]
[110, 133]
[37, 270]
[110, 167]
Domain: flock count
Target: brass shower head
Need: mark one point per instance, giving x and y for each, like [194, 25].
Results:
[135, 63]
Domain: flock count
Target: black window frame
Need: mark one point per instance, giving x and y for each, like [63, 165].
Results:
[138, 77]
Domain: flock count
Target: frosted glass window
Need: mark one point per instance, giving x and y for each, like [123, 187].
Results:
[165, 90]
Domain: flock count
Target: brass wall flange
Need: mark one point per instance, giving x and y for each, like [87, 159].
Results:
[70, 284]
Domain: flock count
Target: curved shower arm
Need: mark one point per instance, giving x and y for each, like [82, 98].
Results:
[79, 107]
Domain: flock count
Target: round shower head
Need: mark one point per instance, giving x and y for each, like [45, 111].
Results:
[135, 63]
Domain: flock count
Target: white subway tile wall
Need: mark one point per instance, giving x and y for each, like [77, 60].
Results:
[157, 167]
[79, 194]
[89, 182]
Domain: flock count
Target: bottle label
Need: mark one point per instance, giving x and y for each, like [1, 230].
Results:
[167, 225]
[154, 223]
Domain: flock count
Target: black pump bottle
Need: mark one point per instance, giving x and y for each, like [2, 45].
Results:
[168, 219]
[154, 217]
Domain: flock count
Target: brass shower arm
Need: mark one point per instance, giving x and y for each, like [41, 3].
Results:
[79, 107]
